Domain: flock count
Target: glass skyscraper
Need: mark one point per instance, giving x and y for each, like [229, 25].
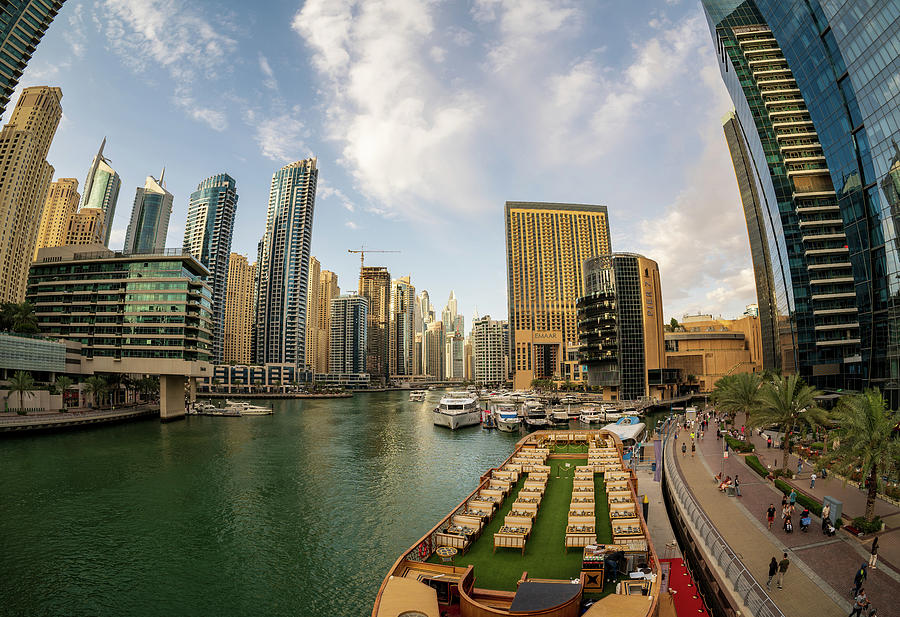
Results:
[22, 25]
[149, 218]
[207, 235]
[283, 265]
[101, 190]
[817, 101]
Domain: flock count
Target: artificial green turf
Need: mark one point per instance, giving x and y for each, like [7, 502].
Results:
[601, 511]
[569, 449]
[545, 552]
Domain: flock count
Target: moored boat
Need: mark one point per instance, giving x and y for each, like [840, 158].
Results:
[591, 413]
[507, 418]
[629, 429]
[417, 395]
[456, 410]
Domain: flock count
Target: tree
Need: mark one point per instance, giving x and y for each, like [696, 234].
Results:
[96, 387]
[18, 318]
[673, 325]
[788, 402]
[738, 394]
[113, 385]
[23, 383]
[62, 384]
[867, 442]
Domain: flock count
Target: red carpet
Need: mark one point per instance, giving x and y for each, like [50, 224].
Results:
[687, 600]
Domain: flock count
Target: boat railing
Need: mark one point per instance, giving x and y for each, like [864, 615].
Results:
[745, 585]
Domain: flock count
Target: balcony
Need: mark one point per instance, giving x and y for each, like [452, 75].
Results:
[821, 222]
[796, 134]
[808, 170]
[829, 264]
[843, 341]
[789, 123]
[836, 235]
[773, 71]
[835, 311]
[830, 281]
[834, 296]
[840, 326]
[771, 59]
[807, 194]
[812, 209]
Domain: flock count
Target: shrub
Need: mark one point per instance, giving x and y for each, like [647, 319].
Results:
[817, 446]
[867, 526]
[781, 471]
[737, 445]
[756, 466]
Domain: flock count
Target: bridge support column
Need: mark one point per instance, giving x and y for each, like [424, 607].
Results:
[192, 390]
[171, 397]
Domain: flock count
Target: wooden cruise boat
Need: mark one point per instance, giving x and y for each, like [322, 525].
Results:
[540, 535]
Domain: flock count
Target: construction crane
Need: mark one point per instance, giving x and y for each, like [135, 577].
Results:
[362, 254]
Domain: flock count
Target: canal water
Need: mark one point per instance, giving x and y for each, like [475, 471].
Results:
[299, 513]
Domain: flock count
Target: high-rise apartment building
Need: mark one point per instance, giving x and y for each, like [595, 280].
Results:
[328, 290]
[433, 350]
[490, 351]
[86, 227]
[546, 243]
[375, 287]
[22, 25]
[312, 313]
[60, 205]
[207, 235]
[24, 143]
[239, 305]
[620, 322]
[283, 264]
[348, 338]
[402, 333]
[101, 190]
[149, 217]
[816, 99]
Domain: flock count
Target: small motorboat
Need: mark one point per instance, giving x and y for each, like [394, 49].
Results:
[417, 395]
[591, 414]
[559, 416]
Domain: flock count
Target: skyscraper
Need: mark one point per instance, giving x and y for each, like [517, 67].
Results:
[402, 327]
[621, 324]
[24, 144]
[375, 287]
[816, 100]
[328, 290]
[348, 335]
[312, 312]
[101, 190]
[60, 205]
[284, 265]
[434, 350]
[239, 301]
[490, 351]
[546, 243]
[207, 235]
[150, 217]
[22, 24]
[85, 227]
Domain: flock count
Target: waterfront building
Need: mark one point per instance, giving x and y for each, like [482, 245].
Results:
[468, 360]
[620, 325]
[546, 243]
[85, 227]
[207, 235]
[22, 25]
[375, 287]
[817, 105]
[490, 350]
[150, 215]
[60, 205]
[283, 264]
[101, 190]
[239, 305]
[312, 313]
[402, 327]
[418, 354]
[434, 350]
[328, 290]
[454, 358]
[709, 349]
[24, 143]
[244, 378]
[349, 324]
[423, 315]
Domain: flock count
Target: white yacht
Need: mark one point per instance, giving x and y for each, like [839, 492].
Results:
[591, 414]
[417, 395]
[629, 429]
[457, 409]
[507, 417]
[246, 409]
[536, 416]
[559, 415]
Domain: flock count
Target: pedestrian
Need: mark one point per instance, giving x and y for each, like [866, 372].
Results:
[773, 569]
[770, 518]
[692, 435]
[860, 578]
[693, 449]
[812, 480]
[799, 466]
[769, 442]
[782, 568]
[683, 449]
[826, 516]
[737, 486]
[718, 434]
[874, 556]
[860, 601]
[793, 498]
[784, 503]
[742, 430]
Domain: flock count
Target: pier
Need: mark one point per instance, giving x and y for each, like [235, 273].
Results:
[14, 424]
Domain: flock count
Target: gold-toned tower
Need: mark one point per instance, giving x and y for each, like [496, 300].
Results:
[375, 287]
[328, 290]
[239, 310]
[24, 144]
[87, 226]
[60, 205]
[546, 243]
[312, 311]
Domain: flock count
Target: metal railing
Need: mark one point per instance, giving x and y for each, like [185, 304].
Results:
[745, 585]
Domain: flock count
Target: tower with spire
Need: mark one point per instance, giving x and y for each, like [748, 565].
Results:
[101, 190]
[149, 217]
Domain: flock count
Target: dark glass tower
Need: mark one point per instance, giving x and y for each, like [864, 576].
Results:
[22, 25]
[817, 102]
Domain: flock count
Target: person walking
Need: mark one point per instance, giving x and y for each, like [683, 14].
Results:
[793, 498]
[782, 568]
[693, 449]
[812, 480]
[873, 558]
[683, 449]
[770, 518]
[860, 602]
[799, 466]
[737, 486]
[860, 578]
[773, 569]
[826, 517]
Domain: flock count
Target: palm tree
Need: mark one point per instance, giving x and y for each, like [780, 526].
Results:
[62, 384]
[23, 383]
[113, 386]
[788, 402]
[865, 432]
[96, 387]
[23, 319]
[738, 393]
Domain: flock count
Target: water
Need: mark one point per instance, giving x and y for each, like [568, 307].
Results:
[298, 513]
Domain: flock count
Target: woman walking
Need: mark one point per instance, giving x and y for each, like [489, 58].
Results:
[773, 569]
[874, 556]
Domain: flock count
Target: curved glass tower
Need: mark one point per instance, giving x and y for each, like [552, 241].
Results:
[817, 103]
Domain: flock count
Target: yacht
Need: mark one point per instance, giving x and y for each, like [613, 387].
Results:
[629, 429]
[536, 417]
[246, 409]
[507, 418]
[559, 415]
[591, 414]
[417, 395]
[457, 409]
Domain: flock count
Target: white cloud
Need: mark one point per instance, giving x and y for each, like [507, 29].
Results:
[325, 191]
[351, 225]
[75, 34]
[269, 80]
[280, 136]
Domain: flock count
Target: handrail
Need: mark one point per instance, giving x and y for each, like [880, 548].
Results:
[745, 585]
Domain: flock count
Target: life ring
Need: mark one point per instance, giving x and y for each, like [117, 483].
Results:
[423, 551]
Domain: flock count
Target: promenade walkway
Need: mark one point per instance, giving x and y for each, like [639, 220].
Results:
[48, 420]
[822, 568]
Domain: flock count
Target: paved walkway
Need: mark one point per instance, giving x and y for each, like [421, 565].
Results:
[822, 568]
[11, 422]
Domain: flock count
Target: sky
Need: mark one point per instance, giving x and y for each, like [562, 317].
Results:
[426, 117]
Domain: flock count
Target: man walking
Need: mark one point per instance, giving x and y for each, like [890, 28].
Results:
[799, 466]
[773, 568]
[860, 578]
[874, 556]
[782, 568]
[693, 449]
[860, 602]
[683, 449]
[770, 518]
[737, 486]
[826, 516]
[812, 480]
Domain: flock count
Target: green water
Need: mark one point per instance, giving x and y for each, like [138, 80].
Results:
[298, 513]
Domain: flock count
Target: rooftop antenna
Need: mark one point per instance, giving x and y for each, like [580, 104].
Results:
[161, 176]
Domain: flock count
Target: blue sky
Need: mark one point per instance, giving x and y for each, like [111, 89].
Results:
[425, 117]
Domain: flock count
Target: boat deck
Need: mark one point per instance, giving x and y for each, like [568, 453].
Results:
[545, 553]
